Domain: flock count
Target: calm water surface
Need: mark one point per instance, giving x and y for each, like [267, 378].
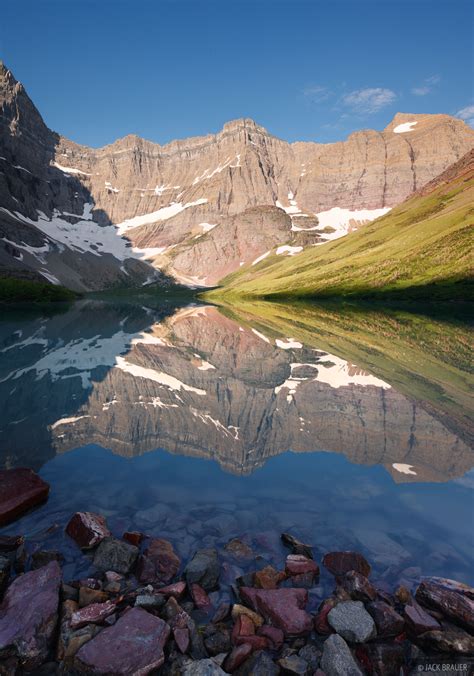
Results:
[347, 427]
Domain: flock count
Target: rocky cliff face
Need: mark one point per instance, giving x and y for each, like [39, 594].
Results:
[200, 207]
[198, 384]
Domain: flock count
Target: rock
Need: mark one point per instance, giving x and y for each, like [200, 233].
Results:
[133, 645]
[387, 621]
[205, 667]
[238, 609]
[176, 590]
[203, 569]
[237, 656]
[29, 614]
[258, 664]
[418, 620]
[179, 619]
[293, 664]
[10, 543]
[5, 568]
[274, 635]
[88, 596]
[115, 555]
[358, 587]
[311, 655]
[221, 613]
[134, 538]
[159, 563]
[239, 550]
[69, 593]
[268, 578]
[340, 563]
[284, 608]
[321, 625]
[90, 583]
[457, 642]
[386, 659]
[297, 564]
[337, 659]
[351, 620]
[200, 598]
[87, 529]
[150, 601]
[182, 638]
[20, 490]
[453, 599]
[43, 557]
[243, 626]
[93, 614]
[218, 641]
[296, 546]
[403, 595]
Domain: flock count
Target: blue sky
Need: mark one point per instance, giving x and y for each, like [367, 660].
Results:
[305, 69]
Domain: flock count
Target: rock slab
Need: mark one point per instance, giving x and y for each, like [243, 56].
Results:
[87, 529]
[351, 621]
[337, 659]
[20, 490]
[284, 608]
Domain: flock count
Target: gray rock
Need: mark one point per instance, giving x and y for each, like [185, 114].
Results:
[203, 569]
[312, 656]
[294, 665]
[116, 555]
[258, 664]
[337, 659]
[351, 620]
[150, 601]
[202, 668]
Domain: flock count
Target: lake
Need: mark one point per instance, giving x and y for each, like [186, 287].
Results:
[348, 427]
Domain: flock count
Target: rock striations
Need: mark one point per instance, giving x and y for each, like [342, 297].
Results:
[195, 210]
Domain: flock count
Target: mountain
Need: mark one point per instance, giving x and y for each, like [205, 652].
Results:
[198, 209]
[422, 248]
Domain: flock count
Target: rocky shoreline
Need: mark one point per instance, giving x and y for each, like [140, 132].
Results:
[143, 610]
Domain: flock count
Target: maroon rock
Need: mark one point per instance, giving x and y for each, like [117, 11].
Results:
[418, 620]
[273, 634]
[93, 614]
[340, 563]
[321, 624]
[453, 599]
[29, 615]
[297, 564]
[268, 578]
[257, 642]
[284, 608]
[134, 538]
[181, 636]
[159, 563]
[386, 618]
[200, 597]
[243, 626]
[87, 529]
[133, 645]
[358, 587]
[385, 659]
[457, 642]
[20, 490]
[176, 590]
[237, 657]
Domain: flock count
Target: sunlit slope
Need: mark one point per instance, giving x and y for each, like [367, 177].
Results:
[422, 248]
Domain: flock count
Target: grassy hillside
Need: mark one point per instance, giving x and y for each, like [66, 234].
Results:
[421, 249]
[15, 290]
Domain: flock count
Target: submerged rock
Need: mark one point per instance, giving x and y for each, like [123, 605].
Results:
[20, 490]
[358, 587]
[115, 555]
[297, 564]
[340, 563]
[203, 569]
[337, 658]
[351, 620]
[457, 642]
[87, 529]
[296, 546]
[159, 563]
[454, 599]
[284, 608]
[29, 615]
[133, 645]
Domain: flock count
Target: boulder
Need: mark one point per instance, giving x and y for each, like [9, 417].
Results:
[337, 658]
[87, 529]
[159, 563]
[29, 615]
[239, 550]
[284, 608]
[351, 621]
[115, 555]
[133, 645]
[358, 587]
[454, 599]
[340, 563]
[20, 490]
[387, 621]
[203, 569]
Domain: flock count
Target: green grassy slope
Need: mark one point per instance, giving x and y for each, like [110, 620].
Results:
[14, 290]
[421, 249]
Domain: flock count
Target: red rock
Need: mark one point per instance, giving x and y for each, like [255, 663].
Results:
[159, 563]
[273, 634]
[453, 599]
[134, 538]
[257, 642]
[87, 529]
[284, 608]
[29, 615]
[176, 590]
[358, 587]
[268, 578]
[340, 563]
[297, 564]
[460, 643]
[243, 626]
[200, 597]
[418, 620]
[386, 618]
[237, 656]
[181, 636]
[95, 613]
[133, 645]
[20, 490]
[321, 624]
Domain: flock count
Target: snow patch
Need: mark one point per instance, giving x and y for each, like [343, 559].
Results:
[161, 215]
[260, 258]
[402, 468]
[290, 250]
[403, 128]
[343, 220]
[290, 344]
[69, 170]
[156, 376]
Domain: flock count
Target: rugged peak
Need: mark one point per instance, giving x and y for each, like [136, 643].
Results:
[405, 122]
[243, 123]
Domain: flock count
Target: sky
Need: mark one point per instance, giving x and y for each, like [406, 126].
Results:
[304, 69]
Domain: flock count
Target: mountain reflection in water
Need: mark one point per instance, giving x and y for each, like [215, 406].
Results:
[237, 388]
